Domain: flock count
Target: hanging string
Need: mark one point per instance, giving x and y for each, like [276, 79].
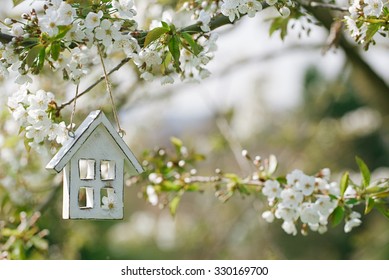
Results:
[71, 127]
[109, 89]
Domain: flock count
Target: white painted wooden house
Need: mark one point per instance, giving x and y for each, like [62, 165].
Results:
[93, 164]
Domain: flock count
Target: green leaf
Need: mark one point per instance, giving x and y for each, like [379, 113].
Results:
[17, 2]
[174, 48]
[166, 25]
[170, 186]
[344, 183]
[196, 49]
[281, 24]
[242, 189]
[364, 171]
[41, 58]
[369, 205]
[62, 31]
[155, 34]
[383, 209]
[33, 54]
[173, 205]
[337, 216]
[26, 144]
[352, 201]
[176, 142]
[55, 50]
[371, 31]
[281, 180]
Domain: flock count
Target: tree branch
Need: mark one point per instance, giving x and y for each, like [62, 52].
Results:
[327, 6]
[5, 38]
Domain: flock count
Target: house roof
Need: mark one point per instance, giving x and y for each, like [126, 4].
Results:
[94, 119]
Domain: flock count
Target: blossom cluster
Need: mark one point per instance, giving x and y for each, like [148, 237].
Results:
[308, 200]
[363, 16]
[29, 109]
[233, 9]
[68, 40]
[71, 39]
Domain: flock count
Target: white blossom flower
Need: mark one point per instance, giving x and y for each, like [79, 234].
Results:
[271, 2]
[92, 20]
[302, 182]
[284, 11]
[333, 188]
[155, 178]
[151, 195]
[37, 135]
[54, 3]
[75, 34]
[9, 55]
[325, 173]
[58, 132]
[271, 189]
[291, 198]
[309, 214]
[285, 213]
[17, 30]
[250, 7]
[126, 43]
[205, 19]
[107, 32]
[322, 229]
[229, 8]
[354, 9]
[20, 114]
[108, 202]
[49, 22]
[289, 228]
[204, 73]
[352, 26]
[325, 205]
[352, 221]
[167, 80]
[373, 7]
[20, 96]
[40, 100]
[268, 216]
[66, 14]
[38, 119]
[3, 70]
[23, 79]
[294, 177]
[149, 57]
[125, 8]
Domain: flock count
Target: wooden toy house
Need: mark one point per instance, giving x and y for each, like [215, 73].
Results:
[93, 164]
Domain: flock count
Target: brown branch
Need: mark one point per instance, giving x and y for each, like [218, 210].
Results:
[5, 38]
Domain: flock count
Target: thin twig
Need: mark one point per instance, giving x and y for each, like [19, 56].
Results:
[328, 6]
[214, 179]
[235, 146]
[116, 68]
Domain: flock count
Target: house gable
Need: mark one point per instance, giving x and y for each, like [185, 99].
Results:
[86, 129]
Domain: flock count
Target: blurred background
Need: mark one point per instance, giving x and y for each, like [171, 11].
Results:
[310, 108]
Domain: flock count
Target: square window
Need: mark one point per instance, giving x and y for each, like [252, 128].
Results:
[85, 198]
[107, 170]
[86, 168]
[107, 198]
